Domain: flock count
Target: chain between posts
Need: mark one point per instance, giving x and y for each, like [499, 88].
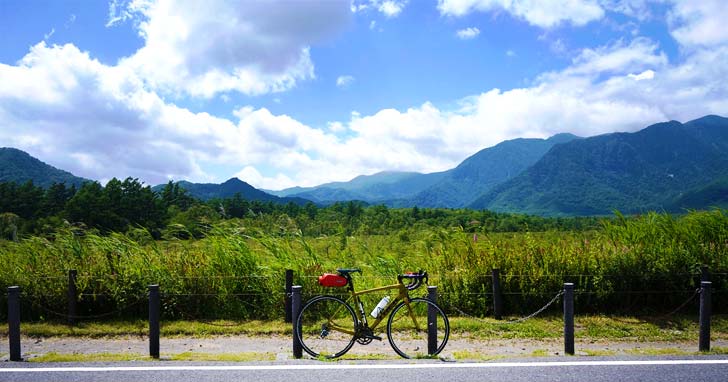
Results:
[532, 315]
[79, 317]
[697, 292]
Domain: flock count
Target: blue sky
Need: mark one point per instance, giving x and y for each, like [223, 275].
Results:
[298, 92]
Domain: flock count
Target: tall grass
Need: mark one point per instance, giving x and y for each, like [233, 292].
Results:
[237, 272]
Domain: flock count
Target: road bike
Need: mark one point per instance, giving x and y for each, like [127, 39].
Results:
[328, 326]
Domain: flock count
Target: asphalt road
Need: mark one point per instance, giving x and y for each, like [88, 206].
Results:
[611, 369]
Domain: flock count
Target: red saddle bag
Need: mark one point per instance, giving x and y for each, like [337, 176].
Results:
[332, 280]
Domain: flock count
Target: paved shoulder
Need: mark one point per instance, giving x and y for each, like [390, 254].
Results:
[706, 368]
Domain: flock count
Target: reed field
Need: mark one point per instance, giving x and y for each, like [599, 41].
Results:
[644, 264]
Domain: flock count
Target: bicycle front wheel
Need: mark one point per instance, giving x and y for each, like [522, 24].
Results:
[326, 327]
[419, 329]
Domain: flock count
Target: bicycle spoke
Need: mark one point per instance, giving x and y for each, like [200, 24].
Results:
[409, 329]
[327, 327]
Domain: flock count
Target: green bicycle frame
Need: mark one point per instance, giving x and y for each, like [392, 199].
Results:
[402, 295]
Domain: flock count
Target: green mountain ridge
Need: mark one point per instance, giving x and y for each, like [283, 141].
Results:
[632, 172]
[375, 188]
[228, 189]
[20, 167]
[454, 188]
[485, 169]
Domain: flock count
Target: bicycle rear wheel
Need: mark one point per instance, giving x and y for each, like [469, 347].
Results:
[327, 326]
[418, 330]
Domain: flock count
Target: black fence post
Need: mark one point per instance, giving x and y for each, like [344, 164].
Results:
[72, 296]
[704, 273]
[705, 309]
[154, 321]
[432, 320]
[295, 309]
[569, 318]
[497, 295]
[287, 298]
[14, 322]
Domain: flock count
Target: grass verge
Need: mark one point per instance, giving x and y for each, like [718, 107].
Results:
[676, 328]
[226, 357]
[121, 357]
[90, 357]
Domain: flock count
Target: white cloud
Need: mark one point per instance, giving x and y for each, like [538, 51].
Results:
[202, 49]
[646, 75]
[510, 53]
[638, 9]
[344, 81]
[542, 13]
[251, 175]
[99, 121]
[468, 33]
[119, 12]
[617, 58]
[389, 8]
[699, 23]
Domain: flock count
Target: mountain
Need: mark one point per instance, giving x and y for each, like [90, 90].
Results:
[652, 169]
[207, 191]
[19, 167]
[715, 194]
[375, 188]
[484, 170]
[453, 188]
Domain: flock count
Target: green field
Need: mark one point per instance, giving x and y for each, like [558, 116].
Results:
[636, 265]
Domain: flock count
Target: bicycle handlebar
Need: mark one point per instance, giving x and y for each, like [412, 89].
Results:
[416, 279]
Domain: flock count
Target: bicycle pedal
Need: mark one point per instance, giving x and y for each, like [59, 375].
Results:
[373, 337]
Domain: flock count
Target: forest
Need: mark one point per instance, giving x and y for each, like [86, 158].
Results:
[27, 209]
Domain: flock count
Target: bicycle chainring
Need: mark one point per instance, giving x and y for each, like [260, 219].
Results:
[364, 336]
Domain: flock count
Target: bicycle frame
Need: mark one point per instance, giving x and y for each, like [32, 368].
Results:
[358, 306]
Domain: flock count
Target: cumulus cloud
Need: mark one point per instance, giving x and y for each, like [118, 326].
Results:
[700, 23]
[389, 8]
[89, 118]
[542, 13]
[98, 121]
[202, 49]
[468, 33]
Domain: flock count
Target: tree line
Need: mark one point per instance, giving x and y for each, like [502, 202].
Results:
[124, 205]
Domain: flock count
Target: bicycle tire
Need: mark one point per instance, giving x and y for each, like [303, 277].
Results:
[412, 341]
[323, 324]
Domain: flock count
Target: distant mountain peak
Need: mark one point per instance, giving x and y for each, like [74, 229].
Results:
[235, 180]
[230, 188]
[19, 167]
[562, 137]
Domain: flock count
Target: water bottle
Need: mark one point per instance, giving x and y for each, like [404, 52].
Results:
[380, 307]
